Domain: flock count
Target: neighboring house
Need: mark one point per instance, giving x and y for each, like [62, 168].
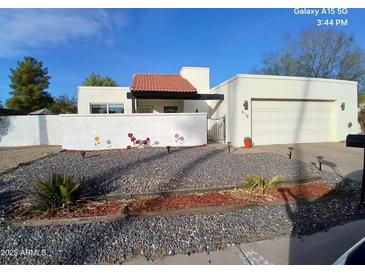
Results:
[269, 109]
[43, 111]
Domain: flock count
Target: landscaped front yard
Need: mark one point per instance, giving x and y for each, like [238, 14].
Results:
[153, 169]
[168, 231]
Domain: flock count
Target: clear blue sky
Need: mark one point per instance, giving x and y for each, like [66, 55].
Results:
[121, 42]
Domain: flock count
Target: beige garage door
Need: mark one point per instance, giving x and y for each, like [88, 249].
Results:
[292, 121]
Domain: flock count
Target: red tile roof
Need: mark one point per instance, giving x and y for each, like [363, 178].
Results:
[146, 82]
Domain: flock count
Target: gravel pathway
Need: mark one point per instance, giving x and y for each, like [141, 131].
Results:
[153, 169]
[119, 241]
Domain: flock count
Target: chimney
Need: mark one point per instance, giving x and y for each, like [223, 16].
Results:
[198, 77]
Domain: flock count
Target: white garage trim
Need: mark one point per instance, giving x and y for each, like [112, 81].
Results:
[280, 121]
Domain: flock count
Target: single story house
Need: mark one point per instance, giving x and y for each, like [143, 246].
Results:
[268, 109]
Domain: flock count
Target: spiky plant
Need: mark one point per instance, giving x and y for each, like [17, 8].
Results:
[261, 183]
[58, 192]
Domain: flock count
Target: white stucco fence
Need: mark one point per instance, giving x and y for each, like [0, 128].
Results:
[79, 131]
[98, 132]
[30, 130]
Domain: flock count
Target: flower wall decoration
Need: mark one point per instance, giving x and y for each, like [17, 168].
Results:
[138, 142]
[97, 140]
[179, 139]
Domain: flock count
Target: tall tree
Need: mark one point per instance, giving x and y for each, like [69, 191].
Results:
[96, 80]
[63, 104]
[322, 53]
[29, 81]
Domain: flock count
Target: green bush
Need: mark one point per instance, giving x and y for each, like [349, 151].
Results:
[257, 182]
[58, 192]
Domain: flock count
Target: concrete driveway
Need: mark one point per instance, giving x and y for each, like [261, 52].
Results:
[345, 161]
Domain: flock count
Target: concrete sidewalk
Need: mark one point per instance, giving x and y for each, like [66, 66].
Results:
[319, 248]
[345, 161]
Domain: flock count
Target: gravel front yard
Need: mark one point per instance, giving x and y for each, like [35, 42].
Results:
[119, 241]
[153, 169]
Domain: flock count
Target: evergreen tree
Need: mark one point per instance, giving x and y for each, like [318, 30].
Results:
[95, 80]
[29, 81]
[63, 104]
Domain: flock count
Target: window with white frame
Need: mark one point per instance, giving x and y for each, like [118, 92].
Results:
[102, 108]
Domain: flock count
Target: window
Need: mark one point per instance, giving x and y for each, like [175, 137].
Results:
[106, 108]
[98, 108]
[170, 109]
[116, 108]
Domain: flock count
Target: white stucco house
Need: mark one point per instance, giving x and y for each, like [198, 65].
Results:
[268, 109]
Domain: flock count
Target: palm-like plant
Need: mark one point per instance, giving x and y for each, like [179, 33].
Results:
[59, 191]
[261, 183]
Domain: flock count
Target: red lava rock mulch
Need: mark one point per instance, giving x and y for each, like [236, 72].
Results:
[232, 197]
[165, 203]
[307, 191]
[289, 192]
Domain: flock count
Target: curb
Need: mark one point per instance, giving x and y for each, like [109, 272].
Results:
[62, 221]
[129, 196]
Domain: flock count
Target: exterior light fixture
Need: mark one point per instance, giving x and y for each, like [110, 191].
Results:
[290, 152]
[245, 105]
[343, 106]
[320, 159]
[168, 149]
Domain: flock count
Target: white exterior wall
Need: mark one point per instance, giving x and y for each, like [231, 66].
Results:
[95, 95]
[248, 87]
[200, 105]
[80, 131]
[199, 77]
[30, 130]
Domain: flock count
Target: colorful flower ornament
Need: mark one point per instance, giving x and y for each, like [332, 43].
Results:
[97, 140]
[179, 139]
[138, 142]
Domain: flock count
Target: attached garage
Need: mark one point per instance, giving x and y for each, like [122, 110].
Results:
[293, 121]
[287, 110]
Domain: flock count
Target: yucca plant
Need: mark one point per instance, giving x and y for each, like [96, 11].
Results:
[261, 183]
[59, 191]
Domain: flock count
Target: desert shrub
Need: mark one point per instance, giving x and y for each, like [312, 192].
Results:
[260, 183]
[60, 191]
